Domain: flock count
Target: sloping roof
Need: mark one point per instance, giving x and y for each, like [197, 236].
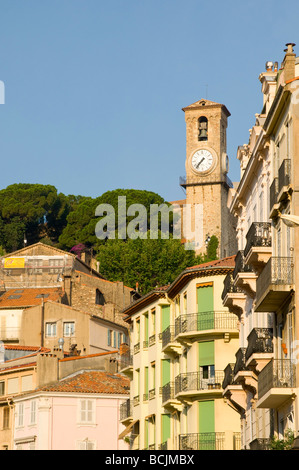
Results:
[38, 249]
[229, 261]
[29, 297]
[204, 103]
[217, 267]
[92, 382]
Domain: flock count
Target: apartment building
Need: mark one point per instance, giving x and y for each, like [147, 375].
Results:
[261, 383]
[181, 340]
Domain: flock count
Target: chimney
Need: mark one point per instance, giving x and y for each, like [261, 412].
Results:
[289, 62]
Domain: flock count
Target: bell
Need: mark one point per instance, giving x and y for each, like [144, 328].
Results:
[203, 135]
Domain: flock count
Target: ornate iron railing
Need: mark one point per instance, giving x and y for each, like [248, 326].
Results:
[240, 266]
[167, 336]
[278, 373]
[284, 174]
[194, 381]
[202, 441]
[229, 287]
[228, 375]
[240, 360]
[136, 348]
[278, 271]
[260, 340]
[126, 410]
[168, 391]
[205, 321]
[258, 235]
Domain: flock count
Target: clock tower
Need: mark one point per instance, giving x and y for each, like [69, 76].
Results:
[206, 183]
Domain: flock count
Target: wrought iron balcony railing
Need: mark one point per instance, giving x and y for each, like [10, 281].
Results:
[229, 287]
[284, 174]
[167, 336]
[228, 375]
[126, 410]
[278, 373]
[258, 235]
[240, 266]
[194, 381]
[260, 340]
[240, 364]
[204, 321]
[202, 441]
[278, 271]
[168, 391]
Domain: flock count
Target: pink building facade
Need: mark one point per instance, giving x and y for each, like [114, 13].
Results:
[78, 413]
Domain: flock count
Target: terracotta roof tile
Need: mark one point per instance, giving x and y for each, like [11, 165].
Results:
[92, 382]
[29, 297]
[229, 261]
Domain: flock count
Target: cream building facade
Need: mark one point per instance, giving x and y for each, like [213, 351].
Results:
[182, 339]
[262, 383]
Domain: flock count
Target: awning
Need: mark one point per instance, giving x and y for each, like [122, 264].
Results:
[127, 429]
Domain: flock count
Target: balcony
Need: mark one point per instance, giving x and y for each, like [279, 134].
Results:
[195, 325]
[274, 205]
[126, 413]
[232, 391]
[202, 441]
[126, 363]
[210, 441]
[169, 345]
[193, 385]
[284, 180]
[260, 348]
[258, 247]
[260, 444]
[168, 397]
[276, 383]
[274, 284]
[243, 275]
[232, 296]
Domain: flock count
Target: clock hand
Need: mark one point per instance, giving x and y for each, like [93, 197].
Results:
[200, 162]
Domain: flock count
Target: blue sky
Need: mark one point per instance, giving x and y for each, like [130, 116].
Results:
[94, 89]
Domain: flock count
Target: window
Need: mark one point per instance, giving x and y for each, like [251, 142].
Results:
[2, 388]
[20, 415]
[51, 329]
[69, 328]
[6, 413]
[33, 412]
[87, 411]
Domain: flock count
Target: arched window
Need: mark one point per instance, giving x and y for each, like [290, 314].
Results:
[100, 299]
[202, 128]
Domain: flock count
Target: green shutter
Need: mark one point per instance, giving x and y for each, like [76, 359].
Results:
[146, 380]
[165, 427]
[206, 353]
[165, 316]
[146, 327]
[205, 306]
[206, 425]
[165, 371]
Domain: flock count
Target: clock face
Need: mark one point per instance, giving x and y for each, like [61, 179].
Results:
[202, 160]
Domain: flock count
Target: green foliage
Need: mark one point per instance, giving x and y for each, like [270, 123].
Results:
[283, 444]
[81, 222]
[212, 248]
[32, 209]
[150, 263]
